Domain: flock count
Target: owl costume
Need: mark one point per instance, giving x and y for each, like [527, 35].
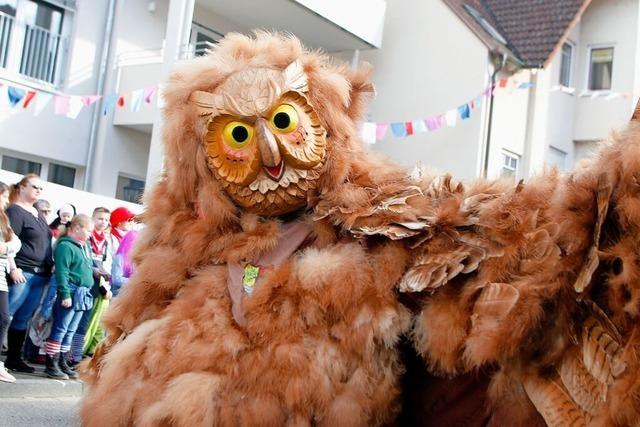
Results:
[284, 273]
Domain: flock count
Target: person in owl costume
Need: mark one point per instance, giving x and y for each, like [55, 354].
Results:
[286, 276]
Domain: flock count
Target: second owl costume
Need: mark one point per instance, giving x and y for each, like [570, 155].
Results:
[281, 267]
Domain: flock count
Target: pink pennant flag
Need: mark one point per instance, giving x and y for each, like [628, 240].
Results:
[61, 105]
[149, 93]
[434, 123]
[90, 100]
[381, 130]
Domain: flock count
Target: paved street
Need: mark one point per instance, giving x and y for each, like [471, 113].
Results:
[34, 400]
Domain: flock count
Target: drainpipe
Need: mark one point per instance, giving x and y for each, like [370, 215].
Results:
[502, 59]
[102, 77]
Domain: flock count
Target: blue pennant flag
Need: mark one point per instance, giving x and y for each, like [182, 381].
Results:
[15, 95]
[398, 129]
[464, 111]
[109, 103]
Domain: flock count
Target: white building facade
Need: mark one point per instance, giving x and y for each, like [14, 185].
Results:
[426, 61]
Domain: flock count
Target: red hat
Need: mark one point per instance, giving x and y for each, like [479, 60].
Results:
[120, 215]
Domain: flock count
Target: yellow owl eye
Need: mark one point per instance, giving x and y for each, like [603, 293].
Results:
[237, 134]
[285, 118]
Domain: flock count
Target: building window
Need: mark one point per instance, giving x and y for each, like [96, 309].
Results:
[63, 175]
[566, 64]
[600, 68]
[32, 42]
[203, 38]
[129, 189]
[510, 163]
[20, 166]
[557, 158]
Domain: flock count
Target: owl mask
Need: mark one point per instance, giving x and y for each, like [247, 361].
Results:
[264, 142]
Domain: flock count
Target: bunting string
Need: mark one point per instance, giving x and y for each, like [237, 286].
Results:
[371, 132]
[15, 99]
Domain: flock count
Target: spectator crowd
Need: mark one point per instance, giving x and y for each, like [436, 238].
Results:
[56, 279]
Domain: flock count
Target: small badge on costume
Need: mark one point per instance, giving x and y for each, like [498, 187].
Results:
[249, 277]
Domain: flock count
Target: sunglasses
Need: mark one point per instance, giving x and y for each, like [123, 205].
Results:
[36, 187]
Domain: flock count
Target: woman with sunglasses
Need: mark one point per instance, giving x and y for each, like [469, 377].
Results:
[32, 265]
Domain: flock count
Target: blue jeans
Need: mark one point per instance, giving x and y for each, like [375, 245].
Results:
[46, 308]
[65, 323]
[77, 344]
[24, 299]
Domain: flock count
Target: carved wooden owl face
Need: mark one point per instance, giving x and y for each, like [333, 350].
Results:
[264, 141]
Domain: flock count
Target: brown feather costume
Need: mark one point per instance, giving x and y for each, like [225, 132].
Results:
[536, 286]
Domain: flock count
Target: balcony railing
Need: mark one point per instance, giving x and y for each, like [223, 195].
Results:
[31, 51]
[154, 55]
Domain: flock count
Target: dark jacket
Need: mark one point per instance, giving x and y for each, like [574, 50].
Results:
[35, 236]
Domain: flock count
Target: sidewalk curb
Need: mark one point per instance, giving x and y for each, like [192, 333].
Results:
[39, 386]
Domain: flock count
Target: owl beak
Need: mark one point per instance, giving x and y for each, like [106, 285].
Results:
[269, 150]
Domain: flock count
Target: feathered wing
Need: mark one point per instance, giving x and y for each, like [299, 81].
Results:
[540, 280]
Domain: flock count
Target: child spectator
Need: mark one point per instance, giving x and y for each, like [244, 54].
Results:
[74, 275]
[121, 223]
[9, 246]
[122, 266]
[102, 258]
[65, 213]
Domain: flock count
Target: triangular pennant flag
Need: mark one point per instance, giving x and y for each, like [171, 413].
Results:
[121, 101]
[464, 111]
[75, 106]
[28, 98]
[61, 105]
[433, 123]
[398, 130]
[419, 126]
[556, 88]
[136, 100]
[42, 100]
[149, 93]
[109, 103]
[89, 100]
[472, 104]
[409, 127]
[381, 131]
[525, 85]
[15, 95]
[613, 95]
[451, 117]
[368, 132]
[502, 83]
[478, 101]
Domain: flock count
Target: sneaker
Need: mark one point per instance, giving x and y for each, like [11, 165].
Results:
[6, 376]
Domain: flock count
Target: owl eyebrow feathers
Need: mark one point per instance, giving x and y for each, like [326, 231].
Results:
[210, 104]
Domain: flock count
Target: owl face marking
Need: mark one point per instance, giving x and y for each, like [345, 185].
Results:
[264, 141]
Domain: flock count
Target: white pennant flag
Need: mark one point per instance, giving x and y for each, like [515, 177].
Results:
[42, 100]
[137, 96]
[368, 132]
[556, 88]
[75, 106]
[613, 95]
[451, 117]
